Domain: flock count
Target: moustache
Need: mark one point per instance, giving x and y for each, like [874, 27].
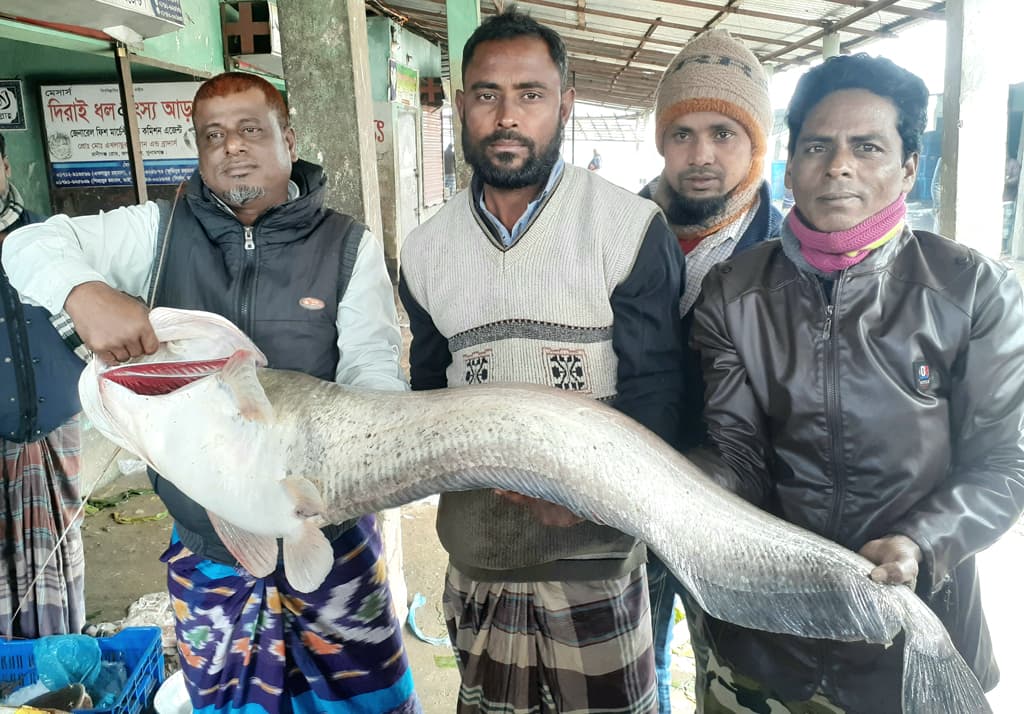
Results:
[699, 173]
[507, 135]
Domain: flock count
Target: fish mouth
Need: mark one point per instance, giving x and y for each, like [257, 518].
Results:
[153, 379]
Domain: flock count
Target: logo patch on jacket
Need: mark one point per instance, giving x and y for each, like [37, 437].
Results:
[923, 375]
[311, 303]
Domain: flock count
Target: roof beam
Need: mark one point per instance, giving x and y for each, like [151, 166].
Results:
[668, 24]
[835, 27]
[735, 9]
[927, 14]
[636, 51]
[721, 15]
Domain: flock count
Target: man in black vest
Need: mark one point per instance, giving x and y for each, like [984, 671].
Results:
[247, 237]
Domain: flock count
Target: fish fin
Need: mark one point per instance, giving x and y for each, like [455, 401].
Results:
[239, 376]
[308, 501]
[255, 553]
[308, 558]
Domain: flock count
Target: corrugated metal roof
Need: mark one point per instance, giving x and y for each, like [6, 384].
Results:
[619, 48]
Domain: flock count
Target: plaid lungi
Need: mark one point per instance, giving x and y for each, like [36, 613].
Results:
[552, 647]
[253, 645]
[41, 502]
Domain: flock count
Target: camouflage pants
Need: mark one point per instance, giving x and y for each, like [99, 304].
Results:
[726, 692]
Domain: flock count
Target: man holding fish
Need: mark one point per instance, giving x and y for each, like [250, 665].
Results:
[248, 237]
[546, 273]
[864, 381]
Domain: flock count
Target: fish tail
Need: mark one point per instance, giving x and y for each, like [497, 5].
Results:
[935, 677]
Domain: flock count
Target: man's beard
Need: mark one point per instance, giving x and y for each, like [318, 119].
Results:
[239, 196]
[535, 169]
[683, 211]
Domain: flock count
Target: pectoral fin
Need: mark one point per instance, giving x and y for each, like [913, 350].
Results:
[308, 558]
[239, 376]
[255, 553]
[305, 495]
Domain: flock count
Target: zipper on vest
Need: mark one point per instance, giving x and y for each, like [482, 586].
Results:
[247, 281]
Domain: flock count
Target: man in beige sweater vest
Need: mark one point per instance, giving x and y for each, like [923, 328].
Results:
[543, 273]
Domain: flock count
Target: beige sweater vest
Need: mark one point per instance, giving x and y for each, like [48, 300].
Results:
[539, 312]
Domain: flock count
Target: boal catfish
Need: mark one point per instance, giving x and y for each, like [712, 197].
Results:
[275, 454]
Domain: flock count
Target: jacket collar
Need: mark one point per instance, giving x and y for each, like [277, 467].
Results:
[283, 223]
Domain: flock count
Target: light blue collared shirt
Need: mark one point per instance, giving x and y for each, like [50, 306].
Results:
[507, 239]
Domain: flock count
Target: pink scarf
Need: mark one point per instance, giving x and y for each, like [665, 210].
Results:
[831, 252]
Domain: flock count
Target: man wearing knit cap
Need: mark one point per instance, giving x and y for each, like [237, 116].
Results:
[864, 383]
[713, 116]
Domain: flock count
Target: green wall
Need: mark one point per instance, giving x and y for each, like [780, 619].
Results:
[38, 55]
[426, 56]
[199, 45]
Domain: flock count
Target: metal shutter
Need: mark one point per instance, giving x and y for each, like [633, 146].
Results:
[433, 164]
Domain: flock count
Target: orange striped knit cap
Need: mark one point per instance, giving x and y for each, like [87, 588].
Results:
[716, 73]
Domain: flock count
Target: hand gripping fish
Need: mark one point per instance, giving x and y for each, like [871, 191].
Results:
[275, 455]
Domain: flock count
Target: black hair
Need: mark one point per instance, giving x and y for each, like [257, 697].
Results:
[511, 24]
[3, 146]
[877, 75]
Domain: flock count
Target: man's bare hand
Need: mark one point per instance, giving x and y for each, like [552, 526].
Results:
[897, 558]
[549, 514]
[113, 325]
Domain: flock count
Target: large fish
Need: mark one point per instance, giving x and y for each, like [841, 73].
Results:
[274, 454]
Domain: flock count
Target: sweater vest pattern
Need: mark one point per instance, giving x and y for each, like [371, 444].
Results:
[537, 312]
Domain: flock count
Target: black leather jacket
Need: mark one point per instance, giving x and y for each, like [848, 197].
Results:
[896, 407]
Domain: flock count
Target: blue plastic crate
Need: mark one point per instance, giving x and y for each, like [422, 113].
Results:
[138, 647]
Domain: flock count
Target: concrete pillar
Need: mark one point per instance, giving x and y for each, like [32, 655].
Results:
[327, 72]
[463, 18]
[326, 69]
[974, 127]
[830, 45]
[1017, 234]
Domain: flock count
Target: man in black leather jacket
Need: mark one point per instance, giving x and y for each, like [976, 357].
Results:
[864, 381]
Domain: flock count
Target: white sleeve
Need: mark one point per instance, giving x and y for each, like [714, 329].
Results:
[369, 341]
[44, 261]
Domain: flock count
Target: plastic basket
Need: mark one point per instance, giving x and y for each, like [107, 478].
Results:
[138, 647]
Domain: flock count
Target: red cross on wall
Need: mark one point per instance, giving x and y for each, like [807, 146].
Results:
[246, 28]
[431, 92]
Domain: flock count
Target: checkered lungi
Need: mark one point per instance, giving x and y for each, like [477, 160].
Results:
[41, 502]
[552, 647]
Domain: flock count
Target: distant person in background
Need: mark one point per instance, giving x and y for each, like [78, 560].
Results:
[1010, 179]
[449, 170]
[595, 162]
[43, 577]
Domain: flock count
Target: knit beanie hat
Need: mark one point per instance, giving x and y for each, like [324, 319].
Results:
[716, 73]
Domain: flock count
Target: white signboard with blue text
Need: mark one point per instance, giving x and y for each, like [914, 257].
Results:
[85, 134]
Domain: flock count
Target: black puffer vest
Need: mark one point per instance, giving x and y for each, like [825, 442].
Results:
[279, 280]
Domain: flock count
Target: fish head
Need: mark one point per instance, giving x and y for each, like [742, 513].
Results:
[141, 404]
